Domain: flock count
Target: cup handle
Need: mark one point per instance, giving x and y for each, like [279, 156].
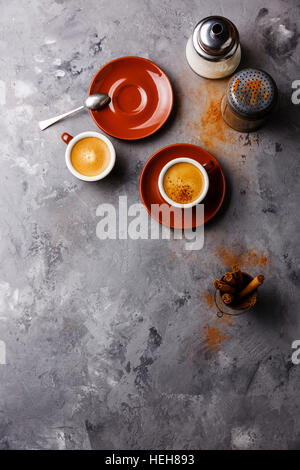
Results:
[209, 166]
[66, 137]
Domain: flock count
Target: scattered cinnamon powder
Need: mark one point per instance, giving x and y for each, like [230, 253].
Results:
[214, 130]
[256, 259]
[205, 122]
[217, 332]
[208, 124]
[213, 337]
[209, 299]
[250, 258]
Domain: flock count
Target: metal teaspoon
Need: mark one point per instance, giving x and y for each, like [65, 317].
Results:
[94, 102]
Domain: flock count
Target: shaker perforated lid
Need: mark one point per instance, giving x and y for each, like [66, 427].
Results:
[252, 93]
[215, 38]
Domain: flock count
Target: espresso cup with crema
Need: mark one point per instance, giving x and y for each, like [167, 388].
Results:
[90, 156]
[184, 182]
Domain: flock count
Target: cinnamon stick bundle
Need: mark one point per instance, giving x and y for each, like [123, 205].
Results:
[227, 298]
[224, 287]
[254, 284]
[237, 274]
[228, 277]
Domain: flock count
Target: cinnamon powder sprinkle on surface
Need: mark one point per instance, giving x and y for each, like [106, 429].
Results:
[210, 127]
[209, 299]
[208, 124]
[250, 258]
[213, 337]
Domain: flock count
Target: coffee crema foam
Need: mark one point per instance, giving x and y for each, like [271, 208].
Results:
[90, 156]
[183, 182]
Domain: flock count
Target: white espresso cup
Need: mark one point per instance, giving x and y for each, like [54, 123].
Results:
[203, 168]
[71, 141]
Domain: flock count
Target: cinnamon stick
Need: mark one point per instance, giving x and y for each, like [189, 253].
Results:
[254, 284]
[224, 287]
[227, 298]
[228, 277]
[237, 274]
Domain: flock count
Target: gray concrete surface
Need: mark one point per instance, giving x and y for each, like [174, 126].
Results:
[107, 342]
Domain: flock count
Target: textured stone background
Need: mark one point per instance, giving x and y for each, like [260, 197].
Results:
[108, 342]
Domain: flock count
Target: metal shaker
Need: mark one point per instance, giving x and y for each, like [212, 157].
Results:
[213, 50]
[249, 100]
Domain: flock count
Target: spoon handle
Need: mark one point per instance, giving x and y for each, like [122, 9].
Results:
[48, 122]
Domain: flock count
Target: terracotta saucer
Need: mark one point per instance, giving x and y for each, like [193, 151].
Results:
[150, 194]
[141, 98]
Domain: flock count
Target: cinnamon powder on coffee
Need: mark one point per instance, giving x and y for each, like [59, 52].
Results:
[182, 193]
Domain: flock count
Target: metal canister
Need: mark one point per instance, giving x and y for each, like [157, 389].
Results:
[213, 50]
[249, 100]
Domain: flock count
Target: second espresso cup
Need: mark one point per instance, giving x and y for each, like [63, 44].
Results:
[202, 168]
[71, 141]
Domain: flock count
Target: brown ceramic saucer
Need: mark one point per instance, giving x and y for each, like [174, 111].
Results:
[149, 191]
[141, 98]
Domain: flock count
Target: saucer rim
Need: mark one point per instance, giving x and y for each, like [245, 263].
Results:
[160, 124]
[155, 155]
